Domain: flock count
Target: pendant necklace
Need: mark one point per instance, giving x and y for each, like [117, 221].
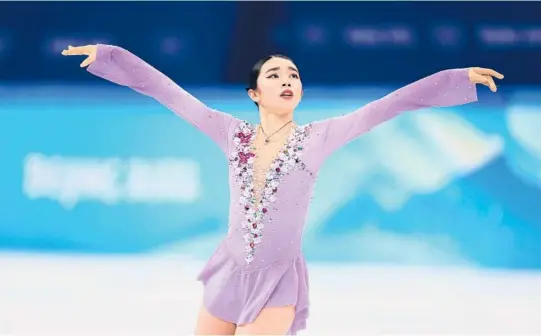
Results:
[268, 137]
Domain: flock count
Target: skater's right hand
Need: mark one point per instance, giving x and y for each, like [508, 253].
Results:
[88, 50]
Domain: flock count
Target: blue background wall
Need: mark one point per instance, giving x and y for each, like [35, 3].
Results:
[89, 167]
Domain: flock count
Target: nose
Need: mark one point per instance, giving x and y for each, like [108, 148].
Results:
[286, 85]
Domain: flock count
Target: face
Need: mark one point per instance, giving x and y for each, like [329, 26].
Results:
[279, 87]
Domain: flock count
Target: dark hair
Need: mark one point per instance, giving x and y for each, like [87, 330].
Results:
[256, 71]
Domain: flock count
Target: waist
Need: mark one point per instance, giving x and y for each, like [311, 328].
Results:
[268, 253]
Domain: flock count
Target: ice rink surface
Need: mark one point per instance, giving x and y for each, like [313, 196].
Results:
[157, 295]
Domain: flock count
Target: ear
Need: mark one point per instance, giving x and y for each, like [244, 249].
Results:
[254, 96]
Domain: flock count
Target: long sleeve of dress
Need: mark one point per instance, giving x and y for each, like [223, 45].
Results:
[442, 89]
[119, 66]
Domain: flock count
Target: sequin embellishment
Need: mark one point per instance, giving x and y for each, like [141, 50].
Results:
[242, 162]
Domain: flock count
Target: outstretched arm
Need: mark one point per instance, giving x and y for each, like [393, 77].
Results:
[119, 66]
[442, 89]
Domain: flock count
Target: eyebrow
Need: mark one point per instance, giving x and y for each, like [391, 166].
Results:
[278, 68]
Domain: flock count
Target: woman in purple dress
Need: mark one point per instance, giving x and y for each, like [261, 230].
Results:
[256, 282]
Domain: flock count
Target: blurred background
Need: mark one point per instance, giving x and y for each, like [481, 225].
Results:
[111, 204]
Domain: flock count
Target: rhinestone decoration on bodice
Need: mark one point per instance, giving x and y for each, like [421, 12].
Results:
[259, 185]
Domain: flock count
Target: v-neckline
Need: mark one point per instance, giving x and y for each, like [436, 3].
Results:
[259, 194]
[257, 203]
[281, 150]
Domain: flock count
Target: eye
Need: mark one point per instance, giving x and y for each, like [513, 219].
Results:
[273, 76]
[296, 76]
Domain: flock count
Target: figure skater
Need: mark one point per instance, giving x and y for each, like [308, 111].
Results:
[256, 281]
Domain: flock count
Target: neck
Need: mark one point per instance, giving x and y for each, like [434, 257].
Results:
[272, 122]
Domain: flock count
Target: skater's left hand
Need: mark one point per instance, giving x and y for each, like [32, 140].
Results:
[484, 76]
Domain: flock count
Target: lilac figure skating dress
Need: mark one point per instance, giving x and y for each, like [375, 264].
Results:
[260, 264]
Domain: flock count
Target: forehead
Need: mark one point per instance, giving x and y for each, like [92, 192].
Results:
[277, 62]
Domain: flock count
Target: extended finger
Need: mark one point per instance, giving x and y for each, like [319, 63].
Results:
[491, 84]
[86, 62]
[490, 72]
[84, 50]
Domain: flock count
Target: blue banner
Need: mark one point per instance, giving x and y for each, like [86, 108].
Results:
[101, 169]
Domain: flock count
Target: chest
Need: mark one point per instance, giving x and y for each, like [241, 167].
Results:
[265, 154]
[252, 161]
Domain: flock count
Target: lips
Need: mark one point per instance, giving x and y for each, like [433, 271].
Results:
[286, 94]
